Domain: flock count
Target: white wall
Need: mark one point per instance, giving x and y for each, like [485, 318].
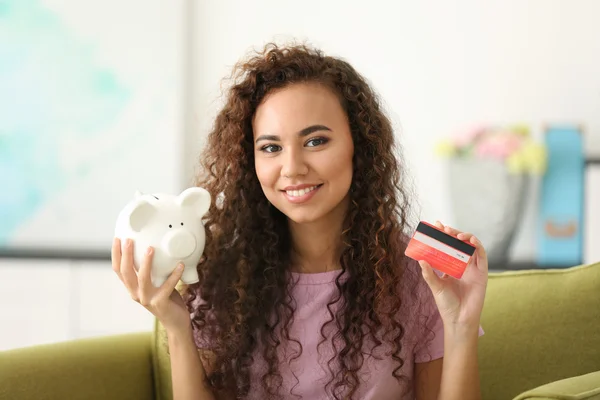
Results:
[141, 45]
[438, 65]
[126, 134]
[46, 301]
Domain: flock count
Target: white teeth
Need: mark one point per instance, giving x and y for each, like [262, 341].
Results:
[301, 192]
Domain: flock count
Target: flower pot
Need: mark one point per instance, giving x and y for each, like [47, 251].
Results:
[488, 201]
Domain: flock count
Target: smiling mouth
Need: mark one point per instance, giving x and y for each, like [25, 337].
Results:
[301, 192]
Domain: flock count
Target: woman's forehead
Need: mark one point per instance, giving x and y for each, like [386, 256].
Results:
[293, 108]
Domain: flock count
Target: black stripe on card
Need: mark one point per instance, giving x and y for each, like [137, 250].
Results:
[446, 239]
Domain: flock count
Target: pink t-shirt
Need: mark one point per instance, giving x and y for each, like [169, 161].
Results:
[306, 376]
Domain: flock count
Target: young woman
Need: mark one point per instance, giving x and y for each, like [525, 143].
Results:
[305, 291]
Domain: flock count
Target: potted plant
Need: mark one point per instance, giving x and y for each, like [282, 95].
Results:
[489, 169]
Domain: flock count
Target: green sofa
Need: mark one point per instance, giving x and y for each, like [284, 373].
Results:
[542, 341]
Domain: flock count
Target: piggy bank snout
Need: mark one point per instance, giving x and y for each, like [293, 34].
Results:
[179, 243]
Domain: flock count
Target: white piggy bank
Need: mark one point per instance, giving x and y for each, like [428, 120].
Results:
[172, 225]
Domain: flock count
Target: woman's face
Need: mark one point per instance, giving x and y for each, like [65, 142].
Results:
[303, 152]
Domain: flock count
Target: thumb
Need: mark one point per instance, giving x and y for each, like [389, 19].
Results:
[170, 284]
[435, 283]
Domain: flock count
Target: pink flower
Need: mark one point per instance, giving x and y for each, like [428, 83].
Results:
[499, 145]
[469, 135]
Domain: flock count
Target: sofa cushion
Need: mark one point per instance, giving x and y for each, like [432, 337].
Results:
[108, 367]
[583, 387]
[163, 386]
[541, 326]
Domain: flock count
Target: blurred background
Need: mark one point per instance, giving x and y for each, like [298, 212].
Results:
[496, 105]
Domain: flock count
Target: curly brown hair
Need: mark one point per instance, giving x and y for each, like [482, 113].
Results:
[245, 273]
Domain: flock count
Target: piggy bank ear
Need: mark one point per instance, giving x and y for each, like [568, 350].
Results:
[140, 215]
[196, 197]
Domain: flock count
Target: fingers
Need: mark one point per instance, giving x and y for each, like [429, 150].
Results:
[127, 270]
[481, 254]
[144, 274]
[139, 284]
[433, 280]
[454, 232]
[115, 256]
[169, 285]
[464, 236]
[480, 250]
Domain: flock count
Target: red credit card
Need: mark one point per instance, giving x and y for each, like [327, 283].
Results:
[442, 251]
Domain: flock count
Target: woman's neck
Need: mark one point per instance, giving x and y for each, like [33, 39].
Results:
[316, 246]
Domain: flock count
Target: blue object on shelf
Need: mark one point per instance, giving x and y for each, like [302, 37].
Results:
[559, 230]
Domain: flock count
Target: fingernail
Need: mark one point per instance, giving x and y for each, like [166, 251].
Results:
[180, 267]
[129, 242]
[149, 251]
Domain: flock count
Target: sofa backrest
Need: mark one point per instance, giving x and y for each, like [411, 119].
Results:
[540, 326]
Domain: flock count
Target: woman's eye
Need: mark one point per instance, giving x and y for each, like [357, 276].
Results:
[316, 142]
[270, 148]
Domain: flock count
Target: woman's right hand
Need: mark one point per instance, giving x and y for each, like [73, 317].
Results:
[164, 302]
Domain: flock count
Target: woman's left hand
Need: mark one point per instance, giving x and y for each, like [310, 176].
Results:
[460, 301]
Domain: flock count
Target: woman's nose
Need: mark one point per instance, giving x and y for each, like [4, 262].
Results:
[293, 164]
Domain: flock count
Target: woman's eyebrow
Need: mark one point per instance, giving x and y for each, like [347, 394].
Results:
[313, 128]
[304, 132]
[274, 138]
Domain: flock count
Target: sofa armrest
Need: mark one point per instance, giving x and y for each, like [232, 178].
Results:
[111, 367]
[583, 387]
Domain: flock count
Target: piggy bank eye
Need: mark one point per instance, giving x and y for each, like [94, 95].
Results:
[182, 224]
[170, 226]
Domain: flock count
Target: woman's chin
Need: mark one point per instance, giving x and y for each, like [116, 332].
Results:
[302, 216]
